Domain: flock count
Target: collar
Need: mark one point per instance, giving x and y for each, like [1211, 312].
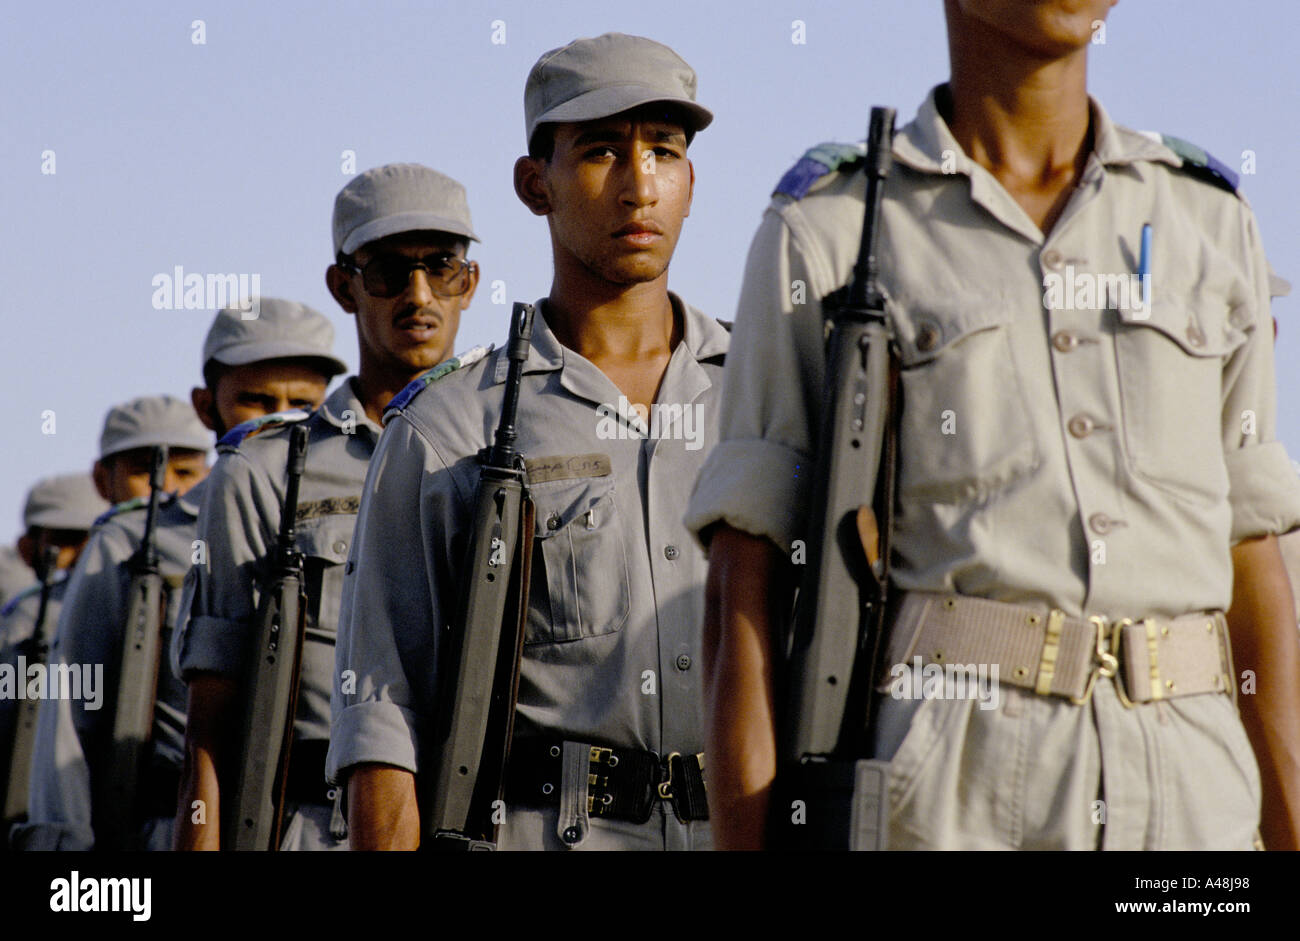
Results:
[922, 143]
[342, 402]
[702, 336]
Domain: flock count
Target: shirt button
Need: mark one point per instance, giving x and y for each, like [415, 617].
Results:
[1065, 341]
[1100, 523]
[1195, 335]
[670, 552]
[340, 546]
[553, 521]
[927, 338]
[683, 662]
[1053, 259]
[570, 835]
[1081, 426]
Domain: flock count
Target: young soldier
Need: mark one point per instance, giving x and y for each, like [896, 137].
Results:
[280, 360]
[400, 236]
[58, 512]
[1111, 465]
[609, 683]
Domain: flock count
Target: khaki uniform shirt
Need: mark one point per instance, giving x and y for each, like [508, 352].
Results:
[1097, 457]
[612, 641]
[72, 734]
[239, 524]
[15, 574]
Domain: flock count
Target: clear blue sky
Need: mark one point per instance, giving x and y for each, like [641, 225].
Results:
[225, 156]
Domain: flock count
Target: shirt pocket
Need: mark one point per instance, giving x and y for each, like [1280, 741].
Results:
[324, 542]
[1170, 361]
[965, 426]
[579, 584]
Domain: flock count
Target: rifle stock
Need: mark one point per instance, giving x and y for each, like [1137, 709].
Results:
[479, 680]
[253, 815]
[825, 689]
[117, 803]
[36, 650]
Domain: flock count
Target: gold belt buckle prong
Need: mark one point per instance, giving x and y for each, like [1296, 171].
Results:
[1117, 643]
[1107, 664]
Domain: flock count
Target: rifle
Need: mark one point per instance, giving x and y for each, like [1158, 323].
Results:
[118, 788]
[253, 817]
[35, 650]
[831, 653]
[479, 680]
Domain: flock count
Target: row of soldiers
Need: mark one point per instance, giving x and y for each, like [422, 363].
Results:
[1048, 460]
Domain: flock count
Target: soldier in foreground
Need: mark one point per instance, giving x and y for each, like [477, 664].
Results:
[280, 360]
[1082, 489]
[609, 686]
[401, 232]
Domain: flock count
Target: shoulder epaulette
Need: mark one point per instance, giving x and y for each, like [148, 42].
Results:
[422, 381]
[1199, 163]
[817, 163]
[236, 435]
[12, 604]
[133, 504]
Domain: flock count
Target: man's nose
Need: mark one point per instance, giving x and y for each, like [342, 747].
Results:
[419, 288]
[641, 187]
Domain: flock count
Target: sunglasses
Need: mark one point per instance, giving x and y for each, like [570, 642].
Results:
[389, 275]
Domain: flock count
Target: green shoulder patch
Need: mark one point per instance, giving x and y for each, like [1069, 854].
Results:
[134, 503]
[816, 163]
[1200, 163]
[235, 436]
[422, 381]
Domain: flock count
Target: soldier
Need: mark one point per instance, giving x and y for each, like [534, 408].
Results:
[59, 511]
[608, 684]
[1069, 469]
[401, 232]
[280, 360]
[121, 477]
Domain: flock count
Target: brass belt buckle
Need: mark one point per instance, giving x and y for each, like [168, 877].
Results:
[666, 785]
[1107, 664]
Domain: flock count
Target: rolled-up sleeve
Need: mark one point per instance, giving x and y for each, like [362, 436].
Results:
[241, 512]
[397, 594]
[757, 479]
[1263, 487]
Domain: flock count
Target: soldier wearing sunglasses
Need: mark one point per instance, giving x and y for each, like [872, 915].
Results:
[401, 232]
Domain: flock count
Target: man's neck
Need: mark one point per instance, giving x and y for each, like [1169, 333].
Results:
[376, 386]
[1023, 118]
[601, 320]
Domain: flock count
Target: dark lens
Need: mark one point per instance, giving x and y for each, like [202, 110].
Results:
[386, 275]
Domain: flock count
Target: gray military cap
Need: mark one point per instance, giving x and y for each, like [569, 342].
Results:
[153, 420]
[398, 197]
[281, 330]
[68, 501]
[594, 78]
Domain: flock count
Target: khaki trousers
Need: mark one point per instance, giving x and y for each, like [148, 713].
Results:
[1041, 773]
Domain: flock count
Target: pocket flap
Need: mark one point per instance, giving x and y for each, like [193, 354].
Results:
[929, 327]
[326, 537]
[560, 502]
[1197, 335]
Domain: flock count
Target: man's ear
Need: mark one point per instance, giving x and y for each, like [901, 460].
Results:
[336, 279]
[99, 474]
[530, 186]
[27, 549]
[690, 194]
[202, 399]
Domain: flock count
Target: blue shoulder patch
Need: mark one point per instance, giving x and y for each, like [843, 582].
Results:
[421, 382]
[12, 604]
[1202, 164]
[236, 435]
[133, 504]
[815, 164]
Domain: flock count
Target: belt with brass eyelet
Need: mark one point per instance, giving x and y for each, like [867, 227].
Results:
[622, 783]
[1052, 654]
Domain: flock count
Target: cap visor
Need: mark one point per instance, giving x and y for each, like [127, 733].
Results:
[403, 222]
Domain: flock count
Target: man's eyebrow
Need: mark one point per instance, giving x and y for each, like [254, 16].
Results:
[612, 132]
